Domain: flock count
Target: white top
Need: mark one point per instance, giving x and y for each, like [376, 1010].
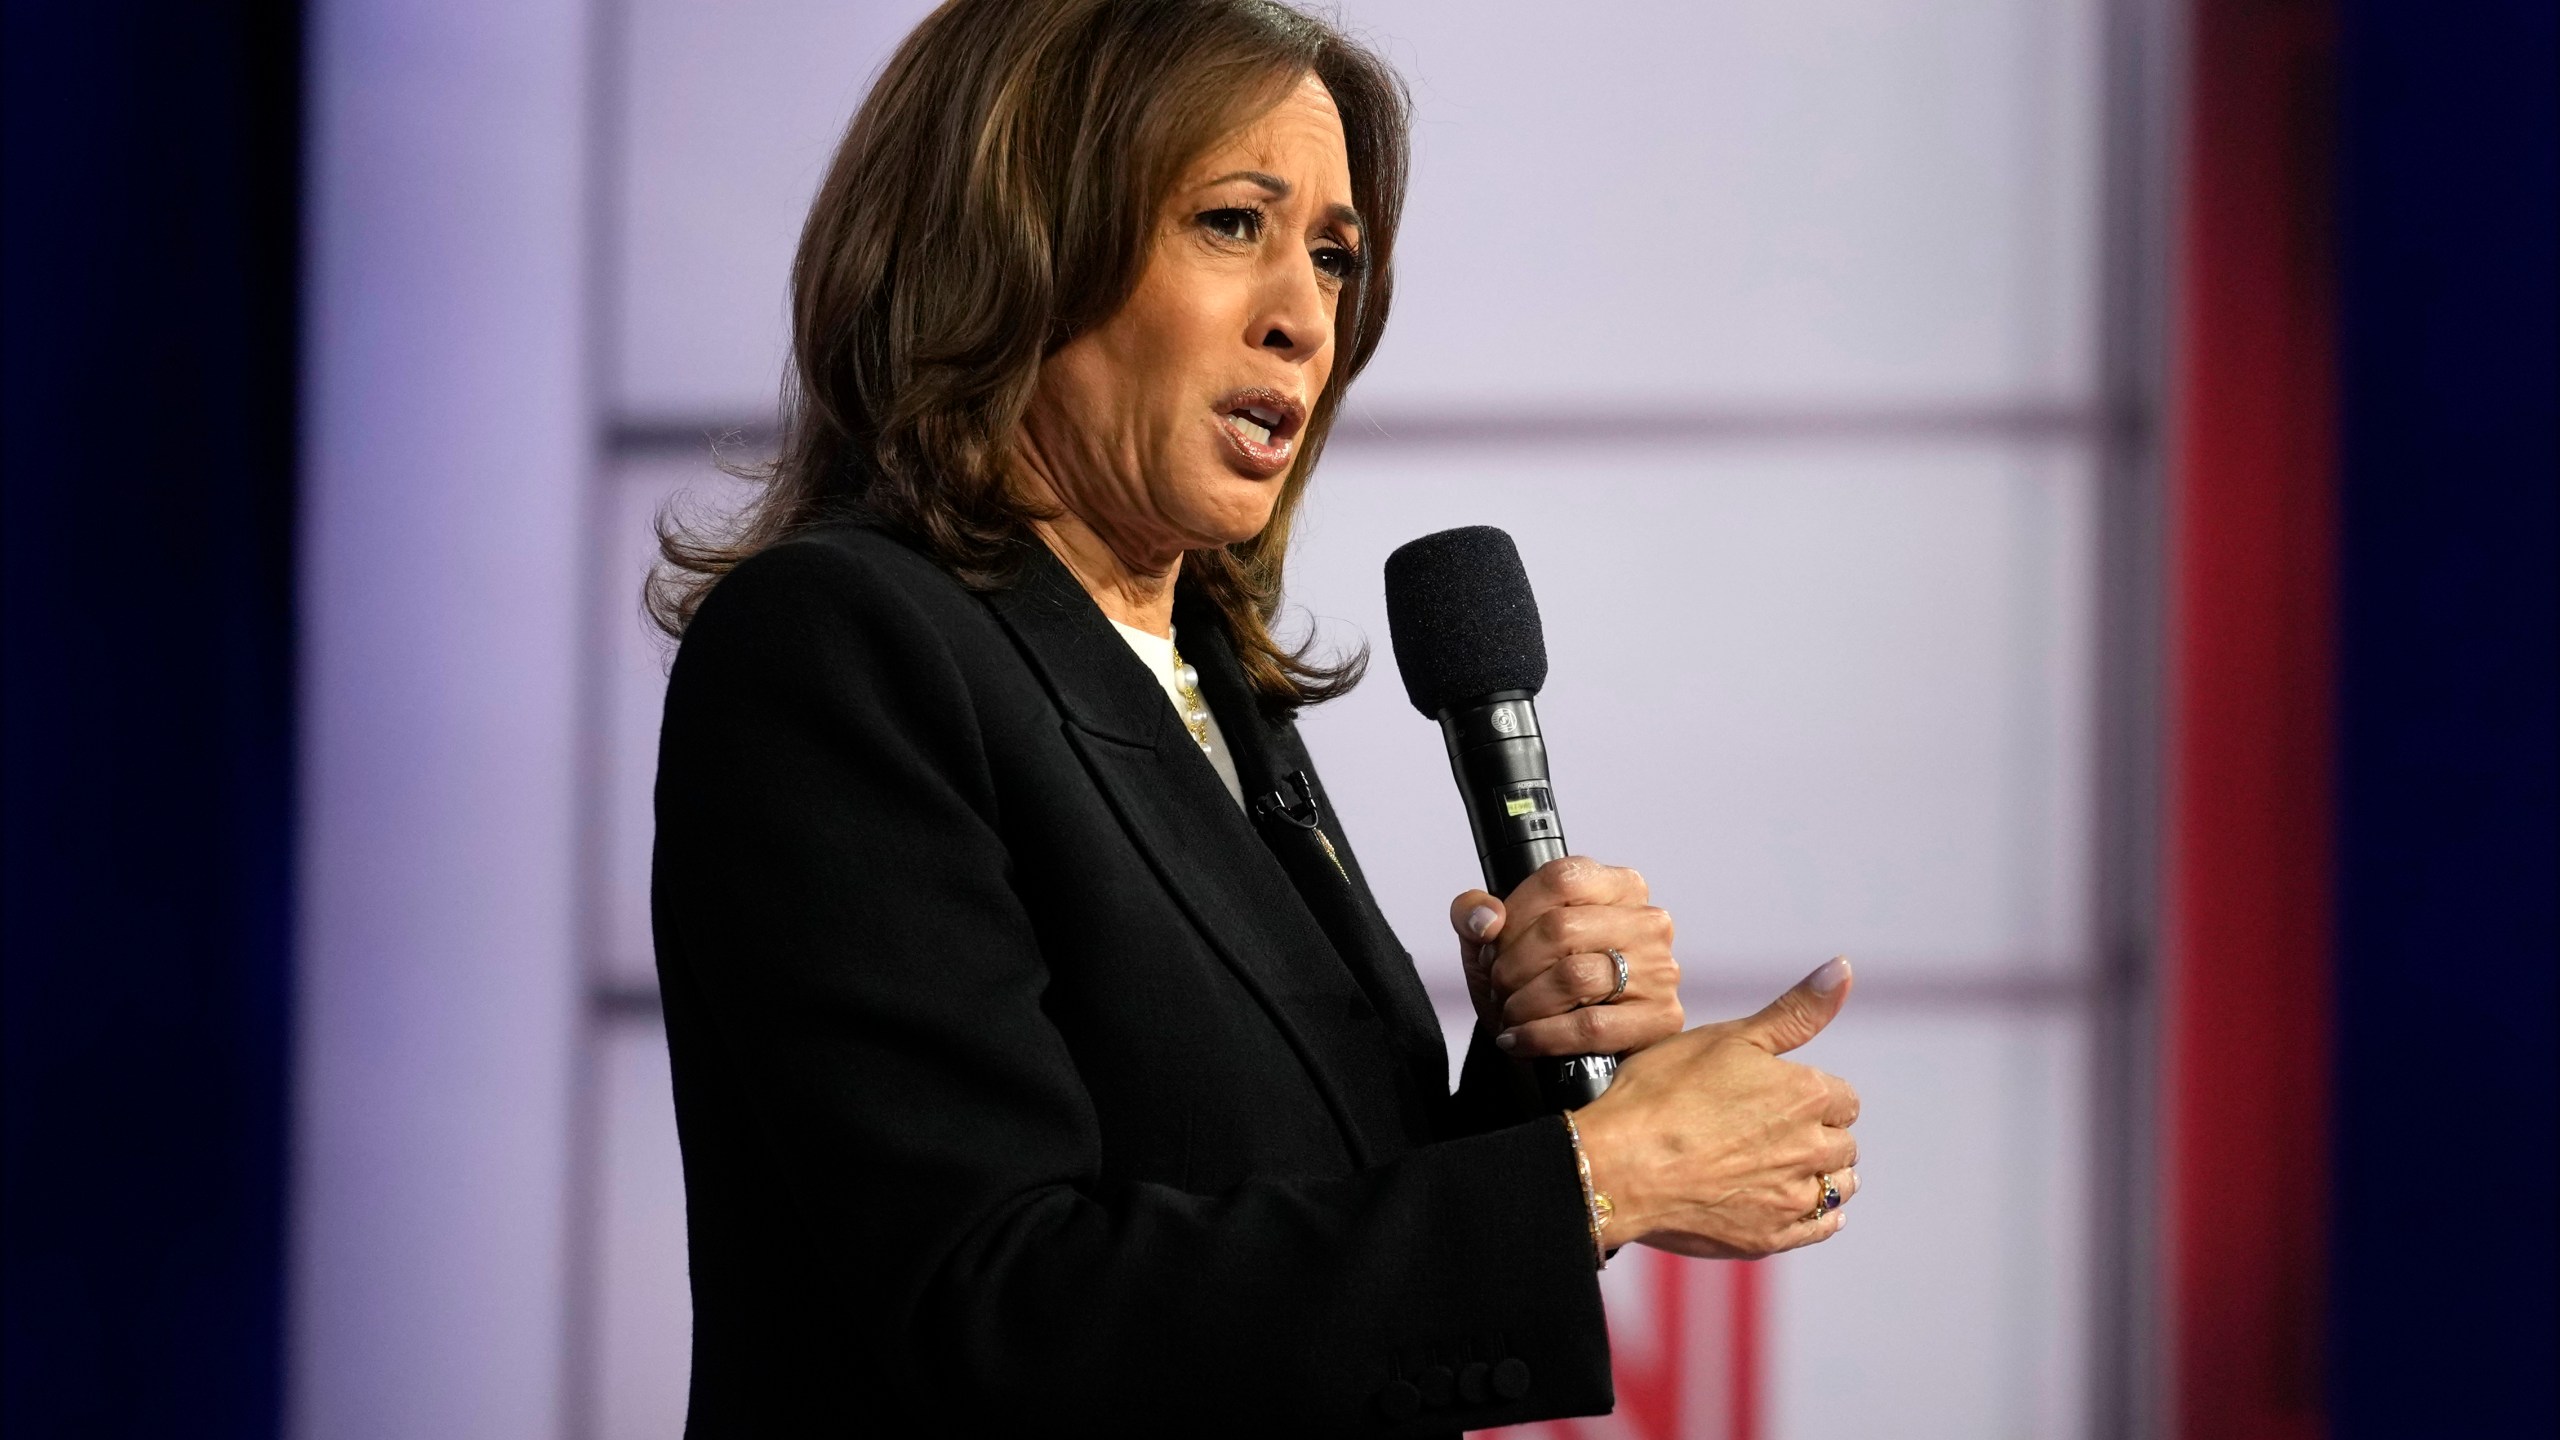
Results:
[1157, 652]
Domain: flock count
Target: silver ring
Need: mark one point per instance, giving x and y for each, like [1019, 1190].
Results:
[1619, 959]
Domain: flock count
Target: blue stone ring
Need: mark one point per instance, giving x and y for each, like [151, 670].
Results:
[1829, 1202]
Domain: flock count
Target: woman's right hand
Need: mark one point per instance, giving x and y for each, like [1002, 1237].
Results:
[1709, 1145]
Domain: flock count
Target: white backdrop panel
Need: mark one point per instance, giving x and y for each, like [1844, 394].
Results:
[1753, 202]
[1955, 1303]
[643, 1309]
[1886, 202]
[728, 116]
[445, 454]
[1826, 698]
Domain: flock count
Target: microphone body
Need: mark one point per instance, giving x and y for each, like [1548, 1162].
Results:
[1473, 656]
[1499, 759]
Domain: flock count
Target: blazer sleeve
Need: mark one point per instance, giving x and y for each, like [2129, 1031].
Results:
[1494, 1091]
[832, 893]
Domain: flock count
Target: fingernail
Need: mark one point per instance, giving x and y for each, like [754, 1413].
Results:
[1507, 1040]
[1833, 974]
[1479, 920]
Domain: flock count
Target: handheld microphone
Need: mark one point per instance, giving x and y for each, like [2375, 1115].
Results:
[1473, 656]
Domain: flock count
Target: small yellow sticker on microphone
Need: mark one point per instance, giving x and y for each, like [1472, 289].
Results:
[1519, 806]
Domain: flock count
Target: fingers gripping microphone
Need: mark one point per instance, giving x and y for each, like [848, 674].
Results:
[1473, 656]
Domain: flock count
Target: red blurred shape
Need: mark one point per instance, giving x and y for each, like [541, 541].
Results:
[2253, 618]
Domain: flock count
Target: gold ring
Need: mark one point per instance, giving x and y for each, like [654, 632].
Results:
[1828, 1201]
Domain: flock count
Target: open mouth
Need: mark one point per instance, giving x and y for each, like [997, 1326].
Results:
[1263, 419]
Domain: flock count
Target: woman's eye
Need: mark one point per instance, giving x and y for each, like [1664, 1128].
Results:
[1236, 223]
[1338, 262]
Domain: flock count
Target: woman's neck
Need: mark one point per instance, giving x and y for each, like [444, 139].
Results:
[1139, 595]
[1131, 581]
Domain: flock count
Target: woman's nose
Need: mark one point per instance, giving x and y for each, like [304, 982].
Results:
[1293, 323]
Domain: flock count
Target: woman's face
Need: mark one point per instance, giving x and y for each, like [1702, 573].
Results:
[1170, 426]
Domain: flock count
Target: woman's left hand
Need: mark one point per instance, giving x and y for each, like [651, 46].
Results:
[1539, 969]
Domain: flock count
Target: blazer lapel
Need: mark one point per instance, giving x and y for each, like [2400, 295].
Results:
[1297, 820]
[1180, 816]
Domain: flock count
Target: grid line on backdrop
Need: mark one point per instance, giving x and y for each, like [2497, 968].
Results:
[581, 1352]
[2142, 55]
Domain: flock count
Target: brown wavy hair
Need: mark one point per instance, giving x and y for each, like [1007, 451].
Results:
[996, 194]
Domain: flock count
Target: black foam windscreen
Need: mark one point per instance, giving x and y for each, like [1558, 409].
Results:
[1462, 619]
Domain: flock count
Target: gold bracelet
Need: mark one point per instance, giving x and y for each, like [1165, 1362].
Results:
[1595, 1203]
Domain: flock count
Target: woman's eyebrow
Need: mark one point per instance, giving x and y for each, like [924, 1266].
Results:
[1281, 190]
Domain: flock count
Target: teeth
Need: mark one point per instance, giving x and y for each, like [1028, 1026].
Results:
[1251, 429]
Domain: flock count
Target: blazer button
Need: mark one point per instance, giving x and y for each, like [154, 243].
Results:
[1399, 1401]
[1439, 1387]
[1475, 1383]
[1511, 1378]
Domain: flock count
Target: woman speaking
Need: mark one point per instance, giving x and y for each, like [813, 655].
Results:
[1032, 1069]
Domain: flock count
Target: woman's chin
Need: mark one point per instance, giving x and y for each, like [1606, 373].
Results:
[1236, 509]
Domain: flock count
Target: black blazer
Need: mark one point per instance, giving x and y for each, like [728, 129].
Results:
[1025, 1083]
